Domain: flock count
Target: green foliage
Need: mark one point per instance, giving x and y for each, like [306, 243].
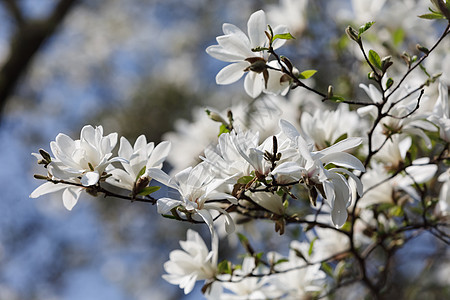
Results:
[389, 82]
[224, 267]
[327, 269]
[148, 190]
[245, 179]
[283, 36]
[337, 99]
[223, 129]
[398, 36]
[311, 246]
[364, 28]
[141, 172]
[375, 59]
[307, 74]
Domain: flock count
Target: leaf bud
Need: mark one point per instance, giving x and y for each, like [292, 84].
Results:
[257, 64]
[386, 63]
[45, 155]
[423, 49]
[352, 34]
[215, 116]
[287, 62]
[330, 92]
[40, 177]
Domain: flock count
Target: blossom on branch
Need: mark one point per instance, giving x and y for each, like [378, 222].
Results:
[81, 162]
[193, 263]
[195, 186]
[139, 158]
[237, 48]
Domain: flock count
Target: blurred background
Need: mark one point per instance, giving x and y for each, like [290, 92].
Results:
[134, 67]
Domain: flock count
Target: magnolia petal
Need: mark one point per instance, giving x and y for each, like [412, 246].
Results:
[161, 176]
[90, 178]
[339, 212]
[359, 185]
[125, 148]
[343, 159]
[159, 155]
[253, 84]
[218, 52]
[343, 145]
[70, 197]
[164, 205]
[46, 188]
[206, 216]
[230, 29]
[288, 129]
[231, 73]
[256, 26]
[235, 46]
[188, 283]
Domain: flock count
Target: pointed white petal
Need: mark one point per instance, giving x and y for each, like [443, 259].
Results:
[256, 26]
[231, 73]
[90, 178]
[164, 205]
[253, 84]
[46, 188]
[70, 197]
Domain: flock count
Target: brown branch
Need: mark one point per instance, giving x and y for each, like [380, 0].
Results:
[28, 39]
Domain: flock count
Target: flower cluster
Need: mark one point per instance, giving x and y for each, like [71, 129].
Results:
[357, 176]
[81, 165]
[249, 54]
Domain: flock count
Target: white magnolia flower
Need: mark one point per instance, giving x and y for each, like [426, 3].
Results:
[236, 47]
[325, 127]
[141, 155]
[225, 159]
[443, 206]
[243, 286]
[402, 118]
[270, 201]
[80, 161]
[297, 283]
[330, 183]
[381, 189]
[195, 187]
[195, 262]
[441, 113]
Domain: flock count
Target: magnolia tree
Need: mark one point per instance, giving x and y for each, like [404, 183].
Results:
[359, 181]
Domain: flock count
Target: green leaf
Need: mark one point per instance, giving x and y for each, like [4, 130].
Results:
[396, 211]
[337, 99]
[432, 16]
[398, 36]
[223, 129]
[307, 74]
[283, 36]
[364, 28]
[311, 246]
[375, 59]
[281, 260]
[141, 172]
[242, 238]
[148, 190]
[327, 269]
[341, 138]
[224, 267]
[389, 82]
[245, 179]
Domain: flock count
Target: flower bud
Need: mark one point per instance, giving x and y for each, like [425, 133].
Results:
[257, 64]
[215, 116]
[352, 34]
